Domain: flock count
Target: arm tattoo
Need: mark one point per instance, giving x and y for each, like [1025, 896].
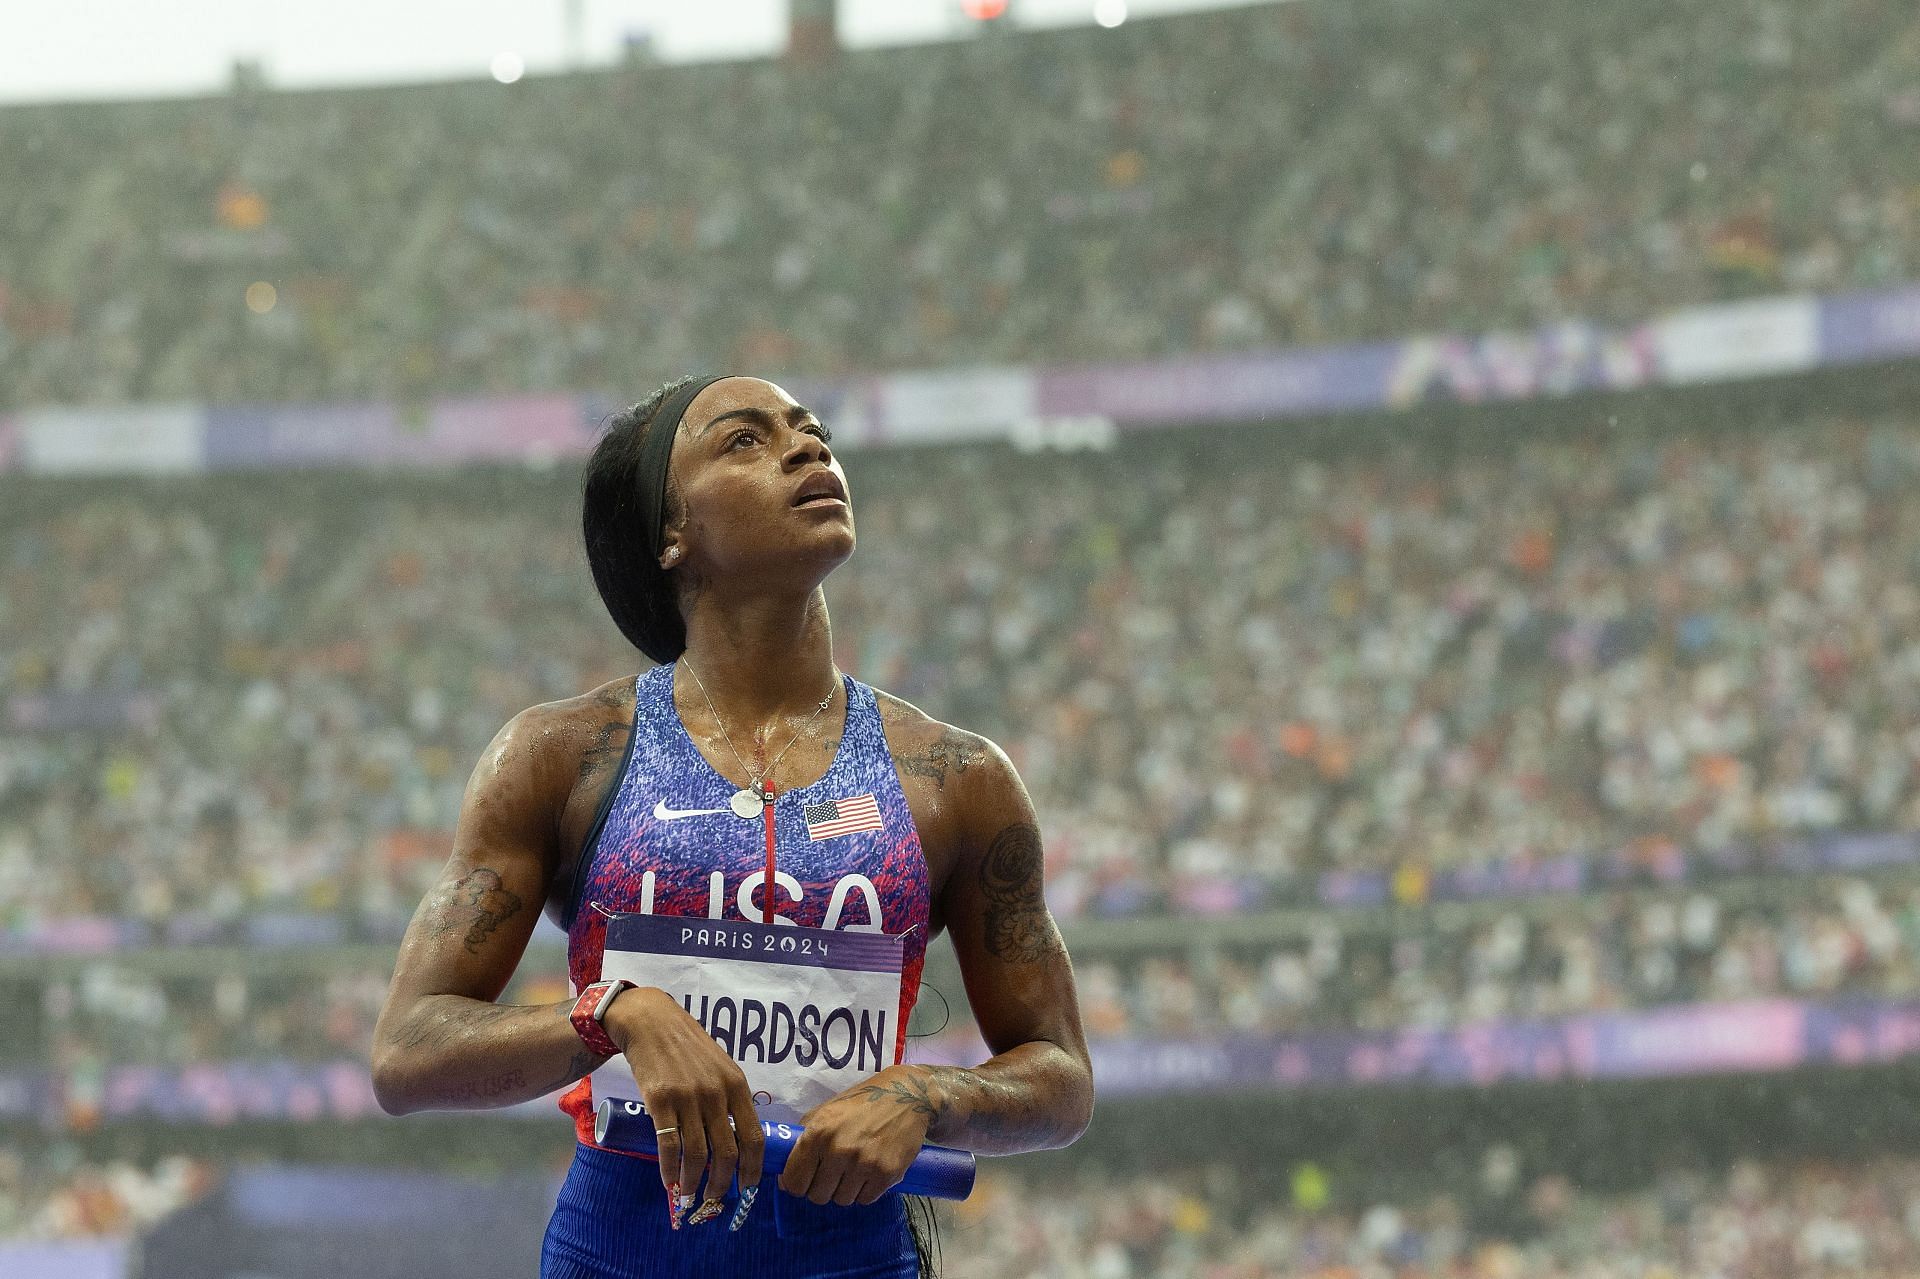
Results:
[949, 751]
[481, 1090]
[998, 1126]
[992, 1110]
[911, 1093]
[433, 1027]
[415, 1034]
[482, 902]
[1018, 928]
[582, 1064]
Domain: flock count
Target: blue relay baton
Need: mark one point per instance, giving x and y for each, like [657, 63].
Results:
[939, 1172]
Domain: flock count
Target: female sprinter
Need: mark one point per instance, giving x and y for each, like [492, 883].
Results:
[713, 512]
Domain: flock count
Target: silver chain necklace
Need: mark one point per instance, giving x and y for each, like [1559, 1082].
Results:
[749, 801]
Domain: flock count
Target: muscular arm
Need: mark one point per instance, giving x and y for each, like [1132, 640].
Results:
[1036, 1092]
[441, 1041]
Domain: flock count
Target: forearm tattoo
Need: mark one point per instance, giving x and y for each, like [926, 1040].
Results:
[481, 901]
[1018, 928]
[910, 1092]
[582, 1064]
[488, 1089]
[994, 1110]
[435, 1026]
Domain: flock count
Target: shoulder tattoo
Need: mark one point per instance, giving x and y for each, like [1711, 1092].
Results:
[609, 738]
[952, 751]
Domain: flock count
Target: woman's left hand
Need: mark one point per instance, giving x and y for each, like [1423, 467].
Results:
[859, 1144]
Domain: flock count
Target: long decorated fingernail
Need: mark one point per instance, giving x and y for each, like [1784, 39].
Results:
[677, 1205]
[746, 1201]
[707, 1211]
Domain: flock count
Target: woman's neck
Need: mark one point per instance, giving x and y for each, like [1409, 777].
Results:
[763, 658]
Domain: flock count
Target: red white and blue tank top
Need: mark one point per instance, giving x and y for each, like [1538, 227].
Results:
[647, 853]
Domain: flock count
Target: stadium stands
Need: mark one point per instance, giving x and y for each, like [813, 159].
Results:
[1226, 673]
[1752, 1217]
[1277, 175]
[1430, 732]
[1748, 1219]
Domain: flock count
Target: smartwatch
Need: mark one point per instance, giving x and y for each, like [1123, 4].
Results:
[590, 1007]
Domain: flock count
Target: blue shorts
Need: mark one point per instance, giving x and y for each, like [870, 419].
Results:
[610, 1222]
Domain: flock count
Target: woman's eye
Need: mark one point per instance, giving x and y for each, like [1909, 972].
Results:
[821, 431]
[741, 435]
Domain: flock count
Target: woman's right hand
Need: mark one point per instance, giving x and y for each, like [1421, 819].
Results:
[690, 1085]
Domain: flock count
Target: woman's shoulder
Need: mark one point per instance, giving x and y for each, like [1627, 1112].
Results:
[967, 798]
[931, 749]
[559, 759]
[595, 704]
[573, 737]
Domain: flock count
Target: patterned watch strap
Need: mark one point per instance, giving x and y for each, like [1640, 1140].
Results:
[589, 1008]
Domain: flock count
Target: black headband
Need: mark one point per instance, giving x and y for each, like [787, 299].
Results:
[661, 633]
[657, 451]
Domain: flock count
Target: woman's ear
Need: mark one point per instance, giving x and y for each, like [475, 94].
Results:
[669, 557]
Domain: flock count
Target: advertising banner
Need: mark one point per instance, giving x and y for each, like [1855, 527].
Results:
[72, 935]
[102, 709]
[530, 428]
[1765, 337]
[1857, 327]
[1581, 872]
[1560, 360]
[1751, 1035]
[1759, 338]
[227, 1092]
[158, 438]
[68, 1258]
[1239, 387]
[294, 435]
[951, 405]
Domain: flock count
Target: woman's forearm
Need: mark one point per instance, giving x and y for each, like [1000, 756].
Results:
[455, 1053]
[1036, 1096]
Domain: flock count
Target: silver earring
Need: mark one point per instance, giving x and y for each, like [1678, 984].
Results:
[673, 552]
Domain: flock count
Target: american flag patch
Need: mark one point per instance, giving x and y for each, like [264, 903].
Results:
[841, 816]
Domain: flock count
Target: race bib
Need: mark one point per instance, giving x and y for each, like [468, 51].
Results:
[806, 1012]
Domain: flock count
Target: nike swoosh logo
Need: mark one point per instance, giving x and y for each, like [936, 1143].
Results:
[662, 813]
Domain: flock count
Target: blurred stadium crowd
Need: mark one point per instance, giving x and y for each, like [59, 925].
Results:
[1229, 670]
[1568, 962]
[1221, 674]
[1753, 1220]
[1308, 174]
[57, 1193]
[1496, 1218]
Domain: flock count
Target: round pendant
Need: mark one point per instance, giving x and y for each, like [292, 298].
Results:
[746, 804]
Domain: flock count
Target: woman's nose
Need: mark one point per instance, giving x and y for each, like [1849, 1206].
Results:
[808, 447]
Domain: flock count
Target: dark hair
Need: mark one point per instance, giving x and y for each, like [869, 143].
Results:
[925, 1228]
[638, 593]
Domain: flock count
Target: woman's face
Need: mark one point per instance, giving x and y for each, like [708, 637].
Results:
[761, 492]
